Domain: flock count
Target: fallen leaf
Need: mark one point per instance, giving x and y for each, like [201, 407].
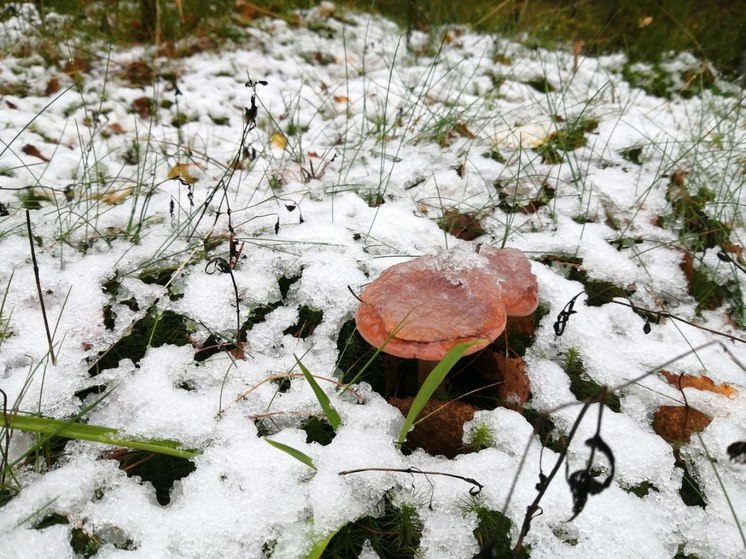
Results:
[53, 86]
[139, 72]
[677, 423]
[700, 382]
[279, 140]
[443, 431]
[463, 130]
[464, 226]
[116, 128]
[116, 197]
[341, 99]
[76, 66]
[182, 171]
[143, 107]
[33, 151]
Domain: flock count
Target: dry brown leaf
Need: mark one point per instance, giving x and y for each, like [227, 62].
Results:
[33, 151]
[700, 382]
[443, 431]
[341, 99]
[464, 226]
[463, 130]
[116, 128]
[143, 107]
[76, 66]
[139, 72]
[115, 197]
[53, 86]
[182, 171]
[677, 423]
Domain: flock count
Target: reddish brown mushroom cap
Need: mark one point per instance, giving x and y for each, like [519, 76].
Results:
[512, 269]
[429, 308]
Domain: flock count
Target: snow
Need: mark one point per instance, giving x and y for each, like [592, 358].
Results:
[369, 112]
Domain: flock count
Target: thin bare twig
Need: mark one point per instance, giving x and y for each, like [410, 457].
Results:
[473, 491]
[38, 288]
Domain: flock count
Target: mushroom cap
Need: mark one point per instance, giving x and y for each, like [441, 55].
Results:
[428, 305]
[511, 268]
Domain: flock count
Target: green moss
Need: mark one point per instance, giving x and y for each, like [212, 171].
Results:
[179, 120]
[31, 200]
[160, 470]
[481, 437]
[395, 534]
[598, 292]
[83, 543]
[318, 430]
[566, 139]
[541, 85]
[642, 489]
[155, 329]
[354, 354]
[690, 490]
[581, 385]
[632, 155]
[545, 429]
[308, 320]
[493, 531]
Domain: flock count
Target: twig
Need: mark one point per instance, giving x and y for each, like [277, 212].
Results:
[38, 288]
[666, 314]
[473, 491]
[534, 509]
[5, 445]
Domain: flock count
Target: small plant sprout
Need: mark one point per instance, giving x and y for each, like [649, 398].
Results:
[481, 437]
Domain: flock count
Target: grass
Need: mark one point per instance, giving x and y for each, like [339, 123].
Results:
[705, 178]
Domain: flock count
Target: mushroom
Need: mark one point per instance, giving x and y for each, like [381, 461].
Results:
[422, 308]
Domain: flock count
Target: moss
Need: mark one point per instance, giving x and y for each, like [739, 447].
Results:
[355, 354]
[155, 329]
[493, 532]
[642, 489]
[565, 140]
[598, 292]
[545, 429]
[394, 534]
[690, 490]
[541, 85]
[481, 437]
[318, 430]
[308, 320]
[160, 470]
[584, 387]
[632, 155]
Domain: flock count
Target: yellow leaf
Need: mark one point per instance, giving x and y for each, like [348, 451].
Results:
[279, 140]
[116, 197]
[182, 171]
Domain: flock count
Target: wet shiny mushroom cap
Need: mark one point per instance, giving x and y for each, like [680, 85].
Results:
[520, 291]
[428, 308]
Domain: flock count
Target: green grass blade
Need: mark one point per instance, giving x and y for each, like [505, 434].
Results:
[95, 433]
[319, 546]
[294, 452]
[431, 384]
[331, 414]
